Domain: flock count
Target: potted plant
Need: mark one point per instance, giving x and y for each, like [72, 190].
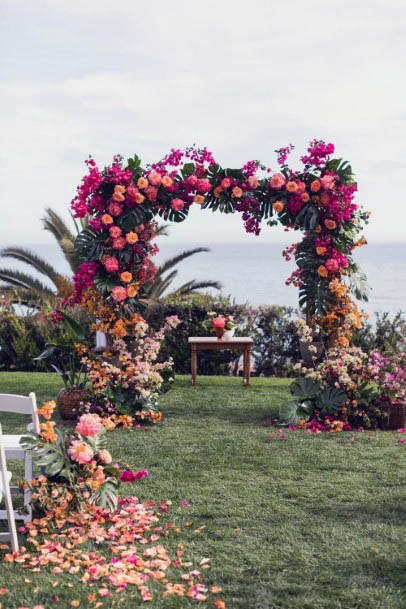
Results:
[389, 372]
[223, 325]
[65, 357]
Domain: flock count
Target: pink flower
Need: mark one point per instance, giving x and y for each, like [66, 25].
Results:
[332, 265]
[269, 438]
[119, 243]
[119, 293]
[177, 204]
[80, 452]
[192, 181]
[89, 425]
[105, 457]
[115, 209]
[129, 476]
[225, 183]
[184, 503]
[315, 186]
[277, 181]
[219, 322]
[155, 178]
[401, 440]
[327, 182]
[152, 193]
[111, 264]
[402, 430]
[115, 231]
[203, 185]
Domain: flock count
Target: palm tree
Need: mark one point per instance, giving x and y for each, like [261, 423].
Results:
[24, 288]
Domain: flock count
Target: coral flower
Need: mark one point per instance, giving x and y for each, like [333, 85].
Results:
[278, 206]
[253, 181]
[118, 197]
[80, 452]
[48, 432]
[106, 219]
[203, 185]
[217, 191]
[330, 224]
[89, 425]
[167, 181]
[219, 322]
[142, 183]
[321, 250]
[139, 198]
[115, 209]
[105, 457]
[119, 243]
[332, 265]
[192, 181]
[155, 178]
[291, 186]
[322, 271]
[277, 180]
[225, 183]
[305, 197]
[237, 192]
[111, 264]
[126, 277]
[315, 186]
[47, 409]
[327, 182]
[119, 188]
[177, 204]
[199, 199]
[132, 290]
[115, 231]
[119, 294]
[131, 238]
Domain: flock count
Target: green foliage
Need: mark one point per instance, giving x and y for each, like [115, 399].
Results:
[330, 400]
[304, 388]
[387, 334]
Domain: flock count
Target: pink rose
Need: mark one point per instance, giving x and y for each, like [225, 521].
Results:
[225, 183]
[115, 231]
[152, 193]
[105, 457]
[192, 181]
[119, 243]
[219, 322]
[111, 264]
[332, 265]
[177, 204]
[327, 182]
[203, 185]
[155, 178]
[89, 425]
[278, 180]
[80, 452]
[315, 186]
[119, 293]
[115, 209]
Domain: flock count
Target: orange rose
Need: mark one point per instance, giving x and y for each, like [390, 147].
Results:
[322, 271]
[199, 199]
[217, 191]
[139, 198]
[118, 196]
[119, 188]
[321, 250]
[291, 186]
[305, 197]
[330, 224]
[106, 219]
[142, 182]
[132, 290]
[126, 277]
[237, 192]
[167, 181]
[278, 206]
[131, 238]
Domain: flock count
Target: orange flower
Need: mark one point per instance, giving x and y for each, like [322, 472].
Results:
[119, 188]
[199, 199]
[330, 224]
[47, 409]
[106, 219]
[321, 250]
[318, 228]
[291, 186]
[322, 271]
[278, 206]
[131, 238]
[118, 196]
[167, 181]
[47, 432]
[132, 290]
[237, 192]
[126, 277]
[142, 183]
[139, 198]
[217, 191]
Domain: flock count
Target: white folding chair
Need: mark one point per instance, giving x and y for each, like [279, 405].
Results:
[20, 404]
[5, 478]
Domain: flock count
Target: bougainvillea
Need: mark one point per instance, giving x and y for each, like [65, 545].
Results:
[122, 200]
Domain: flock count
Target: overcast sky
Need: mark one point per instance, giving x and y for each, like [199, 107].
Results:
[242, 78]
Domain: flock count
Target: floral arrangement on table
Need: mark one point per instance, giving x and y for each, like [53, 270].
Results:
[223, 325]
[76, 467]
[122, 200]
[349, 388]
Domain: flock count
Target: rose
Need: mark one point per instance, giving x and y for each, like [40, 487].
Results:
[278, 206]
[332, 265]
[131, 238]
[177, 204]
[111, 264]
[277, 181]
[119, 293]
[89, 425]
[203, 185]
[105, 457]
[225, 183]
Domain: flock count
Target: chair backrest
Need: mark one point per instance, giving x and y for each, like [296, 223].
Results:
[21, 404]
[3, 467]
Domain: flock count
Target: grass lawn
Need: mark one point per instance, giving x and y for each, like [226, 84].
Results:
[304, 522]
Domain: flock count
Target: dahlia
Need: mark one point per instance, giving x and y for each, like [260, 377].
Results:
[80, 452]
[89, 425]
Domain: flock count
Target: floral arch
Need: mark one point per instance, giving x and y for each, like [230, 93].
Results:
[122, 201]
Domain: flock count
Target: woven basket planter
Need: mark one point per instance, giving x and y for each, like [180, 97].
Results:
[394, 416]
[69, 402]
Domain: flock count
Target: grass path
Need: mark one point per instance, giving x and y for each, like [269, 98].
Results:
[306, 522]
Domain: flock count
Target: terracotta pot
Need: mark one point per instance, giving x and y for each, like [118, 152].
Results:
[394, 416]
[69, 402]
[219, 332]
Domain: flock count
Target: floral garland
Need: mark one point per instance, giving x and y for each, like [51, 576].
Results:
[122, 200]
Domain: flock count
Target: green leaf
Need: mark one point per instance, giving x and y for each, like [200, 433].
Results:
[304, 388]
[288, 413]
[330, 400]
[73, 328]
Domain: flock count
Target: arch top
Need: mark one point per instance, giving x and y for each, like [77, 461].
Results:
[119, 205]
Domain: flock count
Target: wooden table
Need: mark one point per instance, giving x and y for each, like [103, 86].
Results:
[201, 343]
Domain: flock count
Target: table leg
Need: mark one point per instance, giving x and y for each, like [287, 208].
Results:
[194, 365]
[247, 367]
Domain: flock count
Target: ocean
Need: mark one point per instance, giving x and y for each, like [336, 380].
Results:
[255, 273]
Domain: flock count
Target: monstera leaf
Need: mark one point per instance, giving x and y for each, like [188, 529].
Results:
[107, 495]
[308, 217]
[50, 457]
[89, 245]
[330, 400]
[304, 389]
[357, 282]
[341, 168]
[134, 217]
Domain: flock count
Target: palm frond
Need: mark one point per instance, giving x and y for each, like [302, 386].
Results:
[194, 286]
[25, 296]
[32, 259]
[171, 262]
[160, 285]
[162, 230]
[64, 237]
[23, 280]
